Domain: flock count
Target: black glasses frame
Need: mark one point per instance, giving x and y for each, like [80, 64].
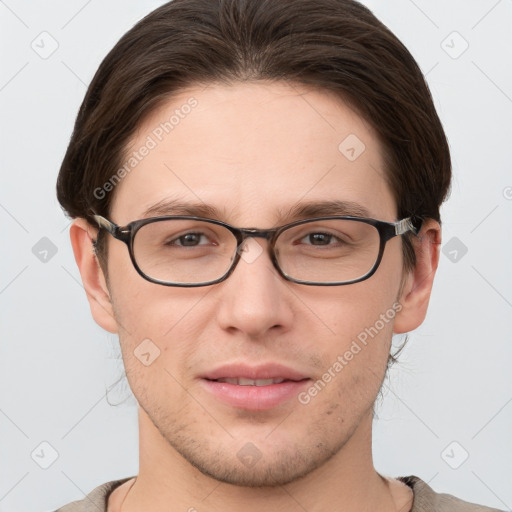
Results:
[387, 231]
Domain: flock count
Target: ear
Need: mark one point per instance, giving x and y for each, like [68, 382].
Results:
[93, 279]
[417, 286]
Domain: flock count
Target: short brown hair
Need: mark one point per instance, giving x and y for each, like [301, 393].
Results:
[333, 45]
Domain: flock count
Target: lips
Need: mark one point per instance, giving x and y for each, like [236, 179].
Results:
[255, 388]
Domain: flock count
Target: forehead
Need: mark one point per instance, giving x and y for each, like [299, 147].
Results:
[252, 150]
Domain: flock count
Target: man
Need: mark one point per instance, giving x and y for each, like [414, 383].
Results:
[256, 188]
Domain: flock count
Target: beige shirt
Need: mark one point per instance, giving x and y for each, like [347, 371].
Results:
[425, 499]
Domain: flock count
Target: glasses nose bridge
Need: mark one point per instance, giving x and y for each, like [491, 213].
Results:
[246, 233]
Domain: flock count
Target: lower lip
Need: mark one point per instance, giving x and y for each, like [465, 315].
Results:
[255, 398]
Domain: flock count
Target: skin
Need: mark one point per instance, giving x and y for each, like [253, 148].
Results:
[250, 149]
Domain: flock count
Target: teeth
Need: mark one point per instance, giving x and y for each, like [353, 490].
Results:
[242, 381]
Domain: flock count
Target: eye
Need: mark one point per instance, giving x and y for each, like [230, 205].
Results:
[319, 238]
[189, 240]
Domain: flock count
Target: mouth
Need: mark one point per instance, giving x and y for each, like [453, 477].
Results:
[254, 388]
[243, 381]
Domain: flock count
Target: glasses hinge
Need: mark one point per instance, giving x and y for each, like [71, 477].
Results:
[404, 226]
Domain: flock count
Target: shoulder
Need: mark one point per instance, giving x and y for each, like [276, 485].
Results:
[427, 500]
[96, 500]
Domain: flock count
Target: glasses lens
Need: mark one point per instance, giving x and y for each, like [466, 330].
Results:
[184, 250]
[328, 251]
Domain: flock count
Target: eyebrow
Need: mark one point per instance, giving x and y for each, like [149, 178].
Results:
[177, 207]
[299, 211]
[325, 208]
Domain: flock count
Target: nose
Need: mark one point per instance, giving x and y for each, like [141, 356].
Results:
[255, 298]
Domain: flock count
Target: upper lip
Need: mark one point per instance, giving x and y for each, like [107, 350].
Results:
[266, 371]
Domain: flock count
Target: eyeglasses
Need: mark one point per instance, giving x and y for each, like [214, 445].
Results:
[193, 251]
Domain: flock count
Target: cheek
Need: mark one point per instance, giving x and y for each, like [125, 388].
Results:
[347, 312]
[160, 329]
[356, 343]
[156, 356]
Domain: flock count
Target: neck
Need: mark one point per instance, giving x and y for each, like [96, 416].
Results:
[166, 481]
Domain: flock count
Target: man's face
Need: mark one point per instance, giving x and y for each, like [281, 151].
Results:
[253, 151]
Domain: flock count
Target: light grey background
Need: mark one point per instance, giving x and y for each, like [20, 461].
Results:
[451, 395]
